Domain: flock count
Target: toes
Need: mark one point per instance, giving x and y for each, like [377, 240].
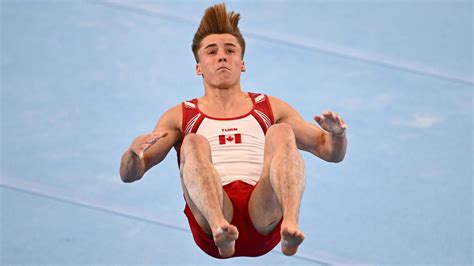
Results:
[225, 240]
[291, 239]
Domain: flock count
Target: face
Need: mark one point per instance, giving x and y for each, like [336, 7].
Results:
[220, 61]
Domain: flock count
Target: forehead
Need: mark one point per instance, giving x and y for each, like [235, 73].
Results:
[219, 39]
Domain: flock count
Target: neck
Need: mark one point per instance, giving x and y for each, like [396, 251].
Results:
[223, 97]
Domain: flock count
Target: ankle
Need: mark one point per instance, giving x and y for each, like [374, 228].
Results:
[289, 223]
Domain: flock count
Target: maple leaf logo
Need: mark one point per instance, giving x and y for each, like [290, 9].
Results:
[230, 139]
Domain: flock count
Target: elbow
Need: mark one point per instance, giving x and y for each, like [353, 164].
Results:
[335, 160]
[338, 155]
[330, 157]
[126, 177]
[130, 171]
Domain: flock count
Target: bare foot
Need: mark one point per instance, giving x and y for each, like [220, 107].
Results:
[224, 238]
[291, 238]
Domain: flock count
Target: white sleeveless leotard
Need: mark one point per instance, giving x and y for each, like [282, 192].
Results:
[237, 144]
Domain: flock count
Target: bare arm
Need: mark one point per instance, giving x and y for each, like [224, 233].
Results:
[328, 142]
[150, 149]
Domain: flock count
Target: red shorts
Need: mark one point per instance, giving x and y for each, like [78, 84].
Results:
[250, 242]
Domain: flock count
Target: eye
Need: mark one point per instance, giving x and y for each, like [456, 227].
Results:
[211, 52]
[230, 51]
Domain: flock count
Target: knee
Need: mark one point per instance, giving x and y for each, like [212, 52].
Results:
[194, 141]
[194, 144]
[282, 133]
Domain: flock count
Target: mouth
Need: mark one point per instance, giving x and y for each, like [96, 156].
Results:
[223, 68]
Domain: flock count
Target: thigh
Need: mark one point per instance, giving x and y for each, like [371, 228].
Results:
[227, 210]
[196, 153]
[264, 208]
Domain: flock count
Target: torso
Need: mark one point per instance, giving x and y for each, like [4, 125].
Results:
[238, 108]
[236, 138]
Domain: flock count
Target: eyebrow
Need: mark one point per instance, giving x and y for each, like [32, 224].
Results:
[215, 45]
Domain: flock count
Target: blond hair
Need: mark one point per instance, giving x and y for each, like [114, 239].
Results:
[216, 20]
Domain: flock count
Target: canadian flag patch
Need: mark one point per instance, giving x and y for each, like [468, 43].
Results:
[228, 139]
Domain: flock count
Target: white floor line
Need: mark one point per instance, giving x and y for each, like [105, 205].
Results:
[150, 9]
[46, 192]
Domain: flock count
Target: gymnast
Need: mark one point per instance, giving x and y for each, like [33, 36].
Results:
[241, 172]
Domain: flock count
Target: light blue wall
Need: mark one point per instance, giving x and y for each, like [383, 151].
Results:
[81, 79]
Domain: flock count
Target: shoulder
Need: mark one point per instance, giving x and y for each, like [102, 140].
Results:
[172, 117]
[274, 101]
[174, 111]
[281, 109]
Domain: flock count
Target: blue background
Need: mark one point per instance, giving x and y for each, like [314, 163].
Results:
[81, 79]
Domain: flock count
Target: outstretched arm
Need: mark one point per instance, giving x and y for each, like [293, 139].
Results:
[150, 149]
[328, 141]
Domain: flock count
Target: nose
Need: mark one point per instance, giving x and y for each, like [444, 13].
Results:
[222, 57]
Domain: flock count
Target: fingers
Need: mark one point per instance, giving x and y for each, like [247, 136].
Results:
[318, 119]
[143, 143]
[160, 135]
[331, 122]
[334, 117]
[152, 139]
[341, 122]
[328, 116]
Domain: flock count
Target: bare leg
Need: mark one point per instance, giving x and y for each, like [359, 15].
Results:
[202, 188]
[279, 191]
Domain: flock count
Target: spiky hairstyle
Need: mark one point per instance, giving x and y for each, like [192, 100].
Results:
[216, 20]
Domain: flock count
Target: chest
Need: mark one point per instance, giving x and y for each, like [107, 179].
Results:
[231, 131]
[237, 110]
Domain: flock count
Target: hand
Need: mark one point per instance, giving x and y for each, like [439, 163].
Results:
[332, 123]
[142, 143]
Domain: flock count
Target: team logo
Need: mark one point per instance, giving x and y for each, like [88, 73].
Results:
[230, 139]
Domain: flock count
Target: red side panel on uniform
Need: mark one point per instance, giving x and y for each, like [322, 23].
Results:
[250, 242]
[263, 111]
[192, 118]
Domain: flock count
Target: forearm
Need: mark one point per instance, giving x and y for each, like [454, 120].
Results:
[132, 168]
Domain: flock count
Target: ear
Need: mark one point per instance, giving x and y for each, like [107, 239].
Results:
[243, 68]
[198, 69]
